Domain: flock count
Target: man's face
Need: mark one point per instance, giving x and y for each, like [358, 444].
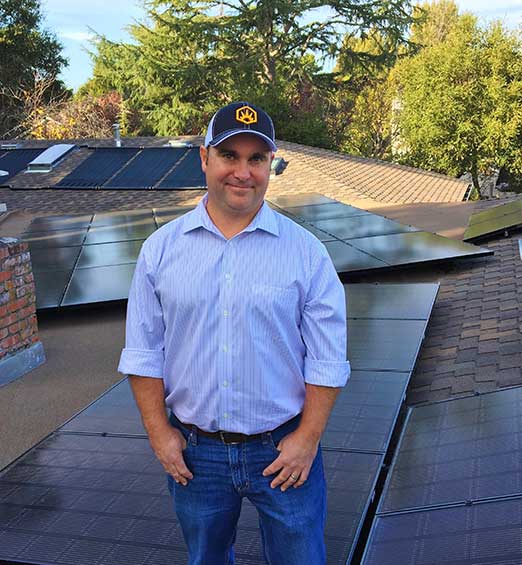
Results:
[237, 172]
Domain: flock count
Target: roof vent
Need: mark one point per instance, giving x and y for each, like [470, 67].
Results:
[117, 134]
[45, 162]
[278, 166]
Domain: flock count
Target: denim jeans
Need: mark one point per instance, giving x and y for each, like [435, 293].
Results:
[208, 508]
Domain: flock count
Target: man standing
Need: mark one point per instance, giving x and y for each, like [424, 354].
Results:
[236, 322]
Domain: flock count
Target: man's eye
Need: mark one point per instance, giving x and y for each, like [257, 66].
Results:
[258, 158]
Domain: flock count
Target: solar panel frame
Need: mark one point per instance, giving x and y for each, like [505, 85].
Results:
[495, 226]
[368, 225]
[330, 211]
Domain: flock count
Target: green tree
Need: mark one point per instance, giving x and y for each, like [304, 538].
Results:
[193, 56]
[27, 50]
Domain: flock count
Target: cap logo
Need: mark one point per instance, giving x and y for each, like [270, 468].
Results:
[246, 115]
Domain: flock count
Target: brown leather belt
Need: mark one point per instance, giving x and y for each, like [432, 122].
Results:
[234, 437]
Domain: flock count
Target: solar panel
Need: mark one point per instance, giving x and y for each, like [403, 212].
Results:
[302, 199]
[378, 345]
[50, 287]
[98, 168]
[99, 284]
[186, 174]
[54, 258]
[62, 238]
[164, 215]
[451, 452]
[487, 533]
[120, 218]
[15, 160]
[57, 223]
[329, 211]
[416, 247]
[349, 259]
[368, 225]
[365, 411]
[106, 496]
[107, 254]
[494, 221]
[149, 166]
[137, 229]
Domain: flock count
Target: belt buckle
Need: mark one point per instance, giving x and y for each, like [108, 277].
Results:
[223, 436]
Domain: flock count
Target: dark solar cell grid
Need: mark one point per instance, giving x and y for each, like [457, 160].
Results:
[62, 238]
[466, 449]
[57, 223]
[416, 247]
[384, 345]
[328, 211]
[487, 533]
[107, 254]
[365, 412]
[99, 284]
[15, 160]
[124, 231]
[149, 166]
[98, 167]
[186, 174]
[349, 259]
[54, 258]
[115, 412]
[403, 301]
[120, 218]
[100, 495]
[368, 225]
[50, 287]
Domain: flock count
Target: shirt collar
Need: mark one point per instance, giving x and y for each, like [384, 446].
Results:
[264, 220]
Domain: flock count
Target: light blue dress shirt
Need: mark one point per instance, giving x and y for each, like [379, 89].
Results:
[236, 327]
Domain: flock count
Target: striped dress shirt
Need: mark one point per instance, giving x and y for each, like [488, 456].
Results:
[235, 328]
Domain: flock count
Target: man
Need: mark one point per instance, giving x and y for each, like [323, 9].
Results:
[236, 322]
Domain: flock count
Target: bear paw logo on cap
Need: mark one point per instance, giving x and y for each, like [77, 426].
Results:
[246, 115]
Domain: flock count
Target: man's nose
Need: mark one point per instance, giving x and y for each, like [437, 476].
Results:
[242, 170]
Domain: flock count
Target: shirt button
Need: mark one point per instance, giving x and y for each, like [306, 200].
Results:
[228, 276]
[225, 313]
[225, 383]
[225, 415]
[225, 348]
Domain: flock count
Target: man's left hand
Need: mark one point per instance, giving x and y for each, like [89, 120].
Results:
[294, 462]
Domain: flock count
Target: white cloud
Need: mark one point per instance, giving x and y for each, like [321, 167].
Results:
[75, 35]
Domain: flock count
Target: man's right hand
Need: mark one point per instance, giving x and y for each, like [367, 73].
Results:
[168, 447]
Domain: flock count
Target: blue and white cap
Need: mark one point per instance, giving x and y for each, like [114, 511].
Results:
[240, 117]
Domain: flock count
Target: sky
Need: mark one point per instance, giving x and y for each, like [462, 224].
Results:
[73, 20]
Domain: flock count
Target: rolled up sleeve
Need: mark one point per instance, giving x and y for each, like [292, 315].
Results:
[324, 326]
[143, 354]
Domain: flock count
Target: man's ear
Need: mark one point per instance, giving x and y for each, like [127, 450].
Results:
[203, 153]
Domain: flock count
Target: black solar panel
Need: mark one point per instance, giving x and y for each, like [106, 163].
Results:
[50, 287]
[347, 258]
[53, 258]
[303, 199]
[62, 238]
[98, 168]
[186, 174]
[165, 215]
[485, 533]
[107, 254]
[416, 247]
[58, 223]
[124, 231]
[105, 498]
[15, 160]
[325, 211]
[149, 166]
[99, 284]
[368, 225]
[466, 449]
[494, 221]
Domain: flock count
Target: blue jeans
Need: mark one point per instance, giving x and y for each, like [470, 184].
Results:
[291, 522]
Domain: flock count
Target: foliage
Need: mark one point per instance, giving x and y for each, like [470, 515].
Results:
[65, 117]
[193, 56]
[26, 50]
[460, 101]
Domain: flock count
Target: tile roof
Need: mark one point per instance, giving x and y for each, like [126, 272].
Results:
[343, 177]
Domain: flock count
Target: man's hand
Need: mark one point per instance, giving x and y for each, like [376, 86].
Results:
[168, 447]
[298, 452]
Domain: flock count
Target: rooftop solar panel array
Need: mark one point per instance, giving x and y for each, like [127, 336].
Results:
[68, 243]
[15, 160]
[454, 492]
[95, 485]
[494, 221]
[130, 168]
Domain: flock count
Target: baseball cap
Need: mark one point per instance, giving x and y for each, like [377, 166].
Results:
[240, 117]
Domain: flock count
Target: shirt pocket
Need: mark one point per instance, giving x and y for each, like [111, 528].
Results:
[274, 310]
